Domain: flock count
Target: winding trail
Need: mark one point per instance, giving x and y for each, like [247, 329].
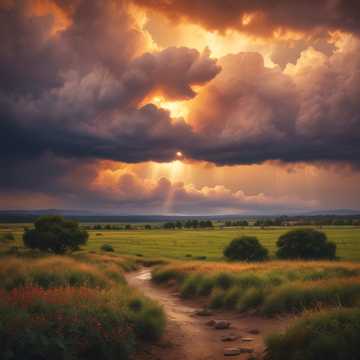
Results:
[187, 337]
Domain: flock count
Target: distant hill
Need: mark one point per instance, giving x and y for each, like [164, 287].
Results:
[24, 216]
[335, 212]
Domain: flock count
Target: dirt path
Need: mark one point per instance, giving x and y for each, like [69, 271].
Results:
[187, 336]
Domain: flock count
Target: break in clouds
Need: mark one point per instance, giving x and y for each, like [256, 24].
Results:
[77, 79]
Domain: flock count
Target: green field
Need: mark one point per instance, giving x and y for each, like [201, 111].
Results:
[209, 243]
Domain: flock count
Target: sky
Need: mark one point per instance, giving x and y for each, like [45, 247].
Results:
[180, 106]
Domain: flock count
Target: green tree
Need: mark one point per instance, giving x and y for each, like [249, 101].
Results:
[55, 234]
[309, 244]
[246, 248]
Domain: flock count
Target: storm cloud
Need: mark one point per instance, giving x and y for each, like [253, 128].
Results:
[87, 101]
[309, 112]
[263, 17]
[76, 88]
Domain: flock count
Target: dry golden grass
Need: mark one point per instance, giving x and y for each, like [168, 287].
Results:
[271, 287]
[213, 267]
[53, 271]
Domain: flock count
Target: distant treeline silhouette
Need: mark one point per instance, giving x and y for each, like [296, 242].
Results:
[188, 224]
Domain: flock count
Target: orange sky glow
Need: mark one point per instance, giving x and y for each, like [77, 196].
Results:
[177, 111]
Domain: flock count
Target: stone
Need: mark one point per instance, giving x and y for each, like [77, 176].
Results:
[221, 324]
[233, 351]
[230, 337]
[247, 339]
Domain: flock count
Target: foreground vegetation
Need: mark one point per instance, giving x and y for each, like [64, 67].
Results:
[323, 295]
[72, 308]
[331, 335]
[79, 306]
[269, 288]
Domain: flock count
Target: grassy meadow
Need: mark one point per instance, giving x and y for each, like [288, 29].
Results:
[63, 307]
[187, 244]
[210, 243]
[55, 297]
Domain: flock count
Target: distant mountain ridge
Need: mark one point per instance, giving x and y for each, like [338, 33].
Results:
[98, 216]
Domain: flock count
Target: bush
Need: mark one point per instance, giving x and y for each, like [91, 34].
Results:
[190, 285]
[107, 247]
[246, 248]
[55, 234]
[331, 335]
[306, 244]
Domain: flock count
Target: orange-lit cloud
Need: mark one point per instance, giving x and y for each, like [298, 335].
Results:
[123, 103]
[162, 195]
[264, 17]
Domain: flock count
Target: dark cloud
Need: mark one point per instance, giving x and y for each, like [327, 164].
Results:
[87, 99]
[268, 15]
[310, 112]
[72, 97]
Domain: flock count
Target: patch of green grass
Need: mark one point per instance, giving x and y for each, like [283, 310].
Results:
[199, 243]
[331, 335]
[210, 243]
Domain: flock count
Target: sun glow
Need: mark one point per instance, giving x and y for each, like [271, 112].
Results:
[177, 109]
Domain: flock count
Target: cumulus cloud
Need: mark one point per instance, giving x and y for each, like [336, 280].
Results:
[309, 112]
[89, 99]
[81, 92]
[125, 189]
[262, 17]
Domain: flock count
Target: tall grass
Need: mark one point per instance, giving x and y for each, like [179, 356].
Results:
[272, 288]
[63, 308]
[75, 323]
[330, 335]
[50, 272]
[299, 296]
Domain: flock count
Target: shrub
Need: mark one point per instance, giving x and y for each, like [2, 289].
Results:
[252, 298]
[232, 296]
[224, 280]
[305, 244]
[246, 248]
[205, 286]
[331, 335]
[217, 299]
[55, 234]
[149, 322]
[190, 286]
[107, 247]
